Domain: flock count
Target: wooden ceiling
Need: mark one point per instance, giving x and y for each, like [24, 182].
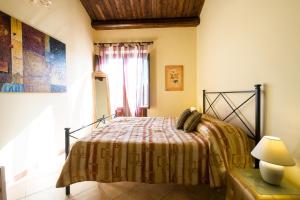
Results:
[121, 14]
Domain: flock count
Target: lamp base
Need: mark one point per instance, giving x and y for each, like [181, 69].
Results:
[271, 173]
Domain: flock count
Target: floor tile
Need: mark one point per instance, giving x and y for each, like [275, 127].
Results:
[40, 182]
[48, 194]
[17, 191]
[43, 188]
[91, 194]
[114, 190]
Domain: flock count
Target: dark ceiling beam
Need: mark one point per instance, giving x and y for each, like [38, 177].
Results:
[200, 7]
[145, 23]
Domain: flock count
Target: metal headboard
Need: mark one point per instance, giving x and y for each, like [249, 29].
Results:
[256, 93]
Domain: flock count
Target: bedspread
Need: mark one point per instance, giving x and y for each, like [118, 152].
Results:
[152, 150]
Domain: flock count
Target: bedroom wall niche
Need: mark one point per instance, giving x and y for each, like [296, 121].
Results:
[170, 47]
[101, 95]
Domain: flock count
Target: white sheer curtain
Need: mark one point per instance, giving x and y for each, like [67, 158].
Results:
[112, 68]
[127, 67]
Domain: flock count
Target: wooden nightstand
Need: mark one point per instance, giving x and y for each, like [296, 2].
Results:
[246, 184]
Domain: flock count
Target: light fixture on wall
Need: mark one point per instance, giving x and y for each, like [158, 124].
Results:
[45, 3]
[273, 156]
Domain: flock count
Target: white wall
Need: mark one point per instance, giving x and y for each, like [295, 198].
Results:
[172, 46]
[31, 124]
[241, 43]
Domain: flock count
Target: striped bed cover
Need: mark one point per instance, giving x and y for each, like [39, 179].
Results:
[152, 150]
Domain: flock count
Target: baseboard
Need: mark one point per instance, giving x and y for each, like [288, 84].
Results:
[2, 184]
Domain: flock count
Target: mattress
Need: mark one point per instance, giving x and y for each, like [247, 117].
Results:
[152, 150]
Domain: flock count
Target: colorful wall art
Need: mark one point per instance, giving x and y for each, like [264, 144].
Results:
[30, 61]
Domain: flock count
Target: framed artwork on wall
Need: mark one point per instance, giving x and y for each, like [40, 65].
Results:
[174, 77]
[30, 61]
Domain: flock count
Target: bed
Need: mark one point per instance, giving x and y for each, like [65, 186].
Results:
[151, 150]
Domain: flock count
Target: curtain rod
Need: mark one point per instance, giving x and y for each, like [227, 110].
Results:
[110, 43]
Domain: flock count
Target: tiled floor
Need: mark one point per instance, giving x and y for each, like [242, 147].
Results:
[41, 186]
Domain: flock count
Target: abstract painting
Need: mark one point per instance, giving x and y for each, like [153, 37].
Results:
[174, 77]
[30, 61]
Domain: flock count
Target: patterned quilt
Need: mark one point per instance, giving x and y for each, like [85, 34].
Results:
[152, 150]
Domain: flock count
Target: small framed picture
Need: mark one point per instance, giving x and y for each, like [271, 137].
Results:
[174, 77]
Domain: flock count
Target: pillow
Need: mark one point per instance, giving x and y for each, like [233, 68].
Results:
[192, 121]
[182, 118]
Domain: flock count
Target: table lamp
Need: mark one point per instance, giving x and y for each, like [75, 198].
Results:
[273, 156]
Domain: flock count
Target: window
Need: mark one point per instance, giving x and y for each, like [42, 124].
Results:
[128, 71]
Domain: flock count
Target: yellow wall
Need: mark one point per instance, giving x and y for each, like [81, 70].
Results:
[240, 43]
[31, 123]
[171, 46]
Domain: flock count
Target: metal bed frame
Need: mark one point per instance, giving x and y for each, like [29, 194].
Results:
[68, 135]
[256, 93]
[254, 135]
